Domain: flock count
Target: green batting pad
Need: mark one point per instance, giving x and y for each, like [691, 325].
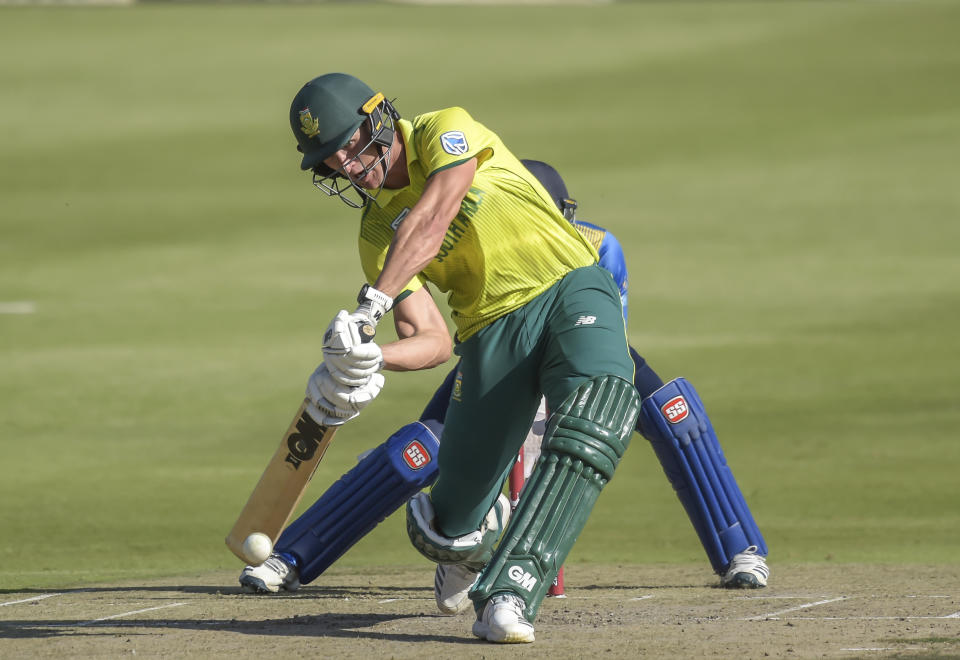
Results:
[584, 441]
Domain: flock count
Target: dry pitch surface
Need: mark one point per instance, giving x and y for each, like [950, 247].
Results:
[831, 611]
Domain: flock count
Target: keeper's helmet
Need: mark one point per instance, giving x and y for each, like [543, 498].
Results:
[550, 179]
[325, 114]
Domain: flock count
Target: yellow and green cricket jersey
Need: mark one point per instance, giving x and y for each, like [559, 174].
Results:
[508, 243]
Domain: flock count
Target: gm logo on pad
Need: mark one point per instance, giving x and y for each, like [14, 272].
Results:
[522, 578]
[416, 455]
[675, 410]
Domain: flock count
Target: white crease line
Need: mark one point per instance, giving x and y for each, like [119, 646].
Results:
[388, 600]
[887, 648]
[117, 616]
[903, 617]
[771, 597]
[642, 597]
[793, 609]
[27, 600]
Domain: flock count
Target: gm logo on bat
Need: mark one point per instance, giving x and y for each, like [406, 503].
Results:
[675, 410]
[303, 444]
[416, 455]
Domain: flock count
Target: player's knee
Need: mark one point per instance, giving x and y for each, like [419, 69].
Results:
[594, 423]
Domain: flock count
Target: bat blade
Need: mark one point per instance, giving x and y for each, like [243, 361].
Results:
[283, 482]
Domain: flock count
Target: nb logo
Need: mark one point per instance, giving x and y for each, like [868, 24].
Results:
[586, 320]
[521, 577]
[675, 410]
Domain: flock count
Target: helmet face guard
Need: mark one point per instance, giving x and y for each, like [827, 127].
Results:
[381, 124]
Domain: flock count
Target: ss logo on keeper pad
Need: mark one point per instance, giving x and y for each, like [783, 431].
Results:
[416, 455]
[675, 410]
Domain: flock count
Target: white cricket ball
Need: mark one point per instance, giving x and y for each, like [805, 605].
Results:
[257, 547]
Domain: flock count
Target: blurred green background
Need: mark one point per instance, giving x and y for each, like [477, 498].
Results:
[782, 175]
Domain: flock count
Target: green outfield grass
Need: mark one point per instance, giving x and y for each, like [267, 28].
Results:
[783, 176]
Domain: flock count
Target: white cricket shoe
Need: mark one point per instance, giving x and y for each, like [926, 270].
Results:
[502, 621]
[270, 577]
[451, 586]
[747, 570]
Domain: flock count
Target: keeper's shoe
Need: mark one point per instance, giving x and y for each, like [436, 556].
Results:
[747, 570]
[451, 586]
[502, 621]
[270, 577]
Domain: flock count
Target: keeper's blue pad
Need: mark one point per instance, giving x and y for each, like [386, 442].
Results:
[376, 487]
[684, 440]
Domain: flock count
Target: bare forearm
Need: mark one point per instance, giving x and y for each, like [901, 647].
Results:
[415, 244]
[422, 351]
[420, 235]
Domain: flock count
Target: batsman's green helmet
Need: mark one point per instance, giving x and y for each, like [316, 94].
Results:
[326, 112]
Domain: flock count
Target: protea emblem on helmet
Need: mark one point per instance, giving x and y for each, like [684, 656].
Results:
[308, 124]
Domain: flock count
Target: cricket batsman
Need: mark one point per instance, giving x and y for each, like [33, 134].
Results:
[382, 482]
[444, 201]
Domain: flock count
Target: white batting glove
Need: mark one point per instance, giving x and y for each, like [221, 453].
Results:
[332, 403]
[322, 410]
[350, 361]
[373, 304]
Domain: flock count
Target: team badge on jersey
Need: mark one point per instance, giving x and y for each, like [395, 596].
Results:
[457, 387]
[454, 142]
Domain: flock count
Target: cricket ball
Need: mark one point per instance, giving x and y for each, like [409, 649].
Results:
[257, 547]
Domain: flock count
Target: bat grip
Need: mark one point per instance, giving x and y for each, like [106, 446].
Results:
[367, 331]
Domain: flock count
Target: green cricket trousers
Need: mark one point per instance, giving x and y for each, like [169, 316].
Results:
[571, 332]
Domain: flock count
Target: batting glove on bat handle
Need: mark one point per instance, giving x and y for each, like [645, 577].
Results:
[367, 331]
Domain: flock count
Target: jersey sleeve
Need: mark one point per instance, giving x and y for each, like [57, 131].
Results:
[449, 137]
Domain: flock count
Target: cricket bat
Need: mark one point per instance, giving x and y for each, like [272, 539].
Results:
[284, 481]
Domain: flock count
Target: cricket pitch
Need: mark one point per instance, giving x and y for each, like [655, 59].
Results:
[650, 611]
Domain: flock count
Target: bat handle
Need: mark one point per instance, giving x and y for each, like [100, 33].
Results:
[367, 332]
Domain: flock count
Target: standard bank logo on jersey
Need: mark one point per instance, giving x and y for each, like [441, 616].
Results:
[675, 410]
[454, 142]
